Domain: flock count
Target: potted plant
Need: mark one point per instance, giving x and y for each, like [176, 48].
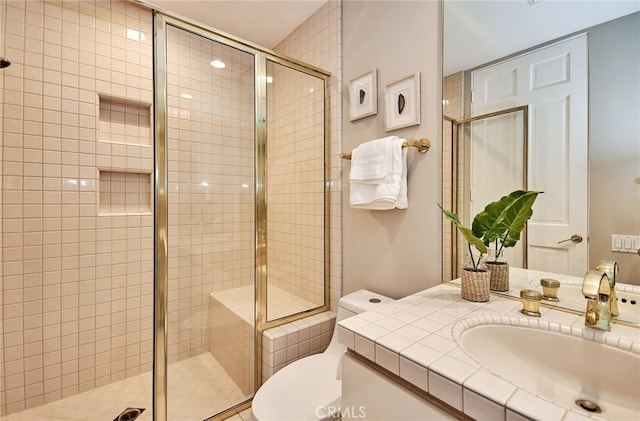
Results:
[501, 222]
[475, 276]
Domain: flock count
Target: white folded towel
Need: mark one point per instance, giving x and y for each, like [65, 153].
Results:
[376, 192]
[370, 160]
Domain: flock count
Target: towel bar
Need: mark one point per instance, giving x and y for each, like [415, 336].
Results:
[423, 146]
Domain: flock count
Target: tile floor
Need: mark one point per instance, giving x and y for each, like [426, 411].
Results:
[198, 387]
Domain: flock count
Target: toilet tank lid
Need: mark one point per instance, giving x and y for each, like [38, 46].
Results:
[363, 300]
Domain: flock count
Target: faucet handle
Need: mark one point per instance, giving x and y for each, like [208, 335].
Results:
[530, 302]
[550, 289]
[591, 315]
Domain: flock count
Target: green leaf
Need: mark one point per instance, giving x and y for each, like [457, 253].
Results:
[486, 223]
[505, 219]
[466, 232]
[516, 218]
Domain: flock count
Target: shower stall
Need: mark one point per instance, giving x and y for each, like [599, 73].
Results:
[164, 202]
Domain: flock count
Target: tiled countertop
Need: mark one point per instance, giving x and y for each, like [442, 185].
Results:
[415, 339]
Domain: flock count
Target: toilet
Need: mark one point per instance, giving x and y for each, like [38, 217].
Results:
[310, 388]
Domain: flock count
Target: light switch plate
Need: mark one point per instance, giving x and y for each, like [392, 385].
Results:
[625, 243]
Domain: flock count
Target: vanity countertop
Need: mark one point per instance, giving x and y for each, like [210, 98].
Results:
[416, 337]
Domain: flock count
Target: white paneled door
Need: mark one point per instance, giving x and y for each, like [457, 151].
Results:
[553, 82]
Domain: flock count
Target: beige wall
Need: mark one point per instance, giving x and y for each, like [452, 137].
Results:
[395, 252]
[614, 141]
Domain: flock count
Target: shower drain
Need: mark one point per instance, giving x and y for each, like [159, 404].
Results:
[129, 414]
[588, 405]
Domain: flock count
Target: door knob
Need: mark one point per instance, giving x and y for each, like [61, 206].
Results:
[575, 238]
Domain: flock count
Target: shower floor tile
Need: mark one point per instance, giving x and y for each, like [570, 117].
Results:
[198, 387]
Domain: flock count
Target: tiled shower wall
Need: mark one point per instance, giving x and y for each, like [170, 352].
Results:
[295, 179]
[2, 49]
[76, 282]
[211, 182]
[318, 42]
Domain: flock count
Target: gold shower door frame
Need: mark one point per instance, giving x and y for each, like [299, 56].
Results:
[160, 360]
[464, 138]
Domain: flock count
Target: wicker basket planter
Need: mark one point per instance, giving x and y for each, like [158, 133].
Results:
[499, 276]
[475, 284]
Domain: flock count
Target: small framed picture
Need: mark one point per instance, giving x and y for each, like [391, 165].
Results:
[363, 96]
[402, 102]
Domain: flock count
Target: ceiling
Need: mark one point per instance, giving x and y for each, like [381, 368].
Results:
[262, 22]
[476, 31]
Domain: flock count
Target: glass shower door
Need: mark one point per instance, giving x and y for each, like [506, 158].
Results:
[211, 225]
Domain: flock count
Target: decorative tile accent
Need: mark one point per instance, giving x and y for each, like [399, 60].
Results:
[537, 323]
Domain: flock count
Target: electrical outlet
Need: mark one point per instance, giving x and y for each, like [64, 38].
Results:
[625, 243]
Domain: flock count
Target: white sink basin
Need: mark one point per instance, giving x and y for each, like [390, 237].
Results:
[560, 367]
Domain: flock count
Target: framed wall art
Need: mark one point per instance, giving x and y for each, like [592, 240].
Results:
[363, 96]
[402, 102]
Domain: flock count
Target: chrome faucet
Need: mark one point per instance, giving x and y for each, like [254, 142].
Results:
[597, 290]
[611, 268]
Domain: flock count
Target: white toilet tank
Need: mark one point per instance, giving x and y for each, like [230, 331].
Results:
[349, 305]
[309, 389]
[360, 301]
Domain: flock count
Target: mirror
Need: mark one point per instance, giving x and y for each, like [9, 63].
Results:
[477, 33]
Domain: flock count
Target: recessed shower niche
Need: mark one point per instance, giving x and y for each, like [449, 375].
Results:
[124, 121]
[125, 193]
[124, 129]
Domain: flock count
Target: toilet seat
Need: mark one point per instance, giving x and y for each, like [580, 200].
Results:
[305, 390]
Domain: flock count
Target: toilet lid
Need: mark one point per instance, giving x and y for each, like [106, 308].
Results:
[306, 389]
